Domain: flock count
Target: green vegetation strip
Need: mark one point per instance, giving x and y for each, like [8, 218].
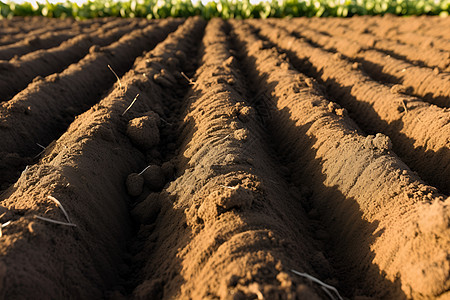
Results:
[227, 9]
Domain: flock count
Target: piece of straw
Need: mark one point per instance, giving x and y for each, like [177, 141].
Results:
[187, 78]
[60, 206]
[43, 149]
[54, 221]
[142, 172]
[118, 79]
[134, 100]
[327, 288]
[3, 226]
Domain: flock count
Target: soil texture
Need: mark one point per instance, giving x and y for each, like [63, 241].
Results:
[255, 159]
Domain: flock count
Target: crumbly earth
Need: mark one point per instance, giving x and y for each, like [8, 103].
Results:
[256, 159]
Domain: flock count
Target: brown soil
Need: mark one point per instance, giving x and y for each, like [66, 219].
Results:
[18, 72]
[18, 29]
[414, 31]
[383, 38]
[259, 159]
[430, 84]
[419, 131]
[51, 39]
[81, 85]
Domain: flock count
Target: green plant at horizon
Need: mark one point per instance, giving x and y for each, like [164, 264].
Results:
[227, 9]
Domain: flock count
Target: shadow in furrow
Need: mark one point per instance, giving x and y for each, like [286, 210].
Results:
[344, 235]
[416, 157]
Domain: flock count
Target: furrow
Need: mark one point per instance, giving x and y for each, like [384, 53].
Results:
[42, 27]
[229, 220]
[18, 73]
[435, 26]
[389, 26]
[85, 170]
[422, 41]
[409, 33]
[48, 40]
[418, 81]
[238, 159]
[431, 85]
[435, 31]
[19, 25]
[420, 131]
[389, 230]
[42, 111]
[171, 69]
[426, 56]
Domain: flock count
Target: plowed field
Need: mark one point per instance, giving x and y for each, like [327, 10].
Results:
[256, 159]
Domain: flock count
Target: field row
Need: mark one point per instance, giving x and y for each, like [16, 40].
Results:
[257, 158]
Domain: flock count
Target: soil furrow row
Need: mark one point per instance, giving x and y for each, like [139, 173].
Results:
[425, 57]
[419, 131]
[90, 163]
[45, 41]
[388, 26]
[43, 27]
[388, 229]
[421, 41]
[23, 25]
[434, 26]
[438, 27]
[227, 225]
[170, 70]
[48, 40]
[42, 111]
[405, 34]
[431, 85]
[417, 81]
[239, 159]
[18, 73]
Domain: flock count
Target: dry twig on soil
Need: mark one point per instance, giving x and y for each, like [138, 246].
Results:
[145, 169]
[68, 223]
[325, 287]
[134, 100]
[3, 226]
[404, 105]
[60, 206]
[43, 149]
[188, 79]
[54, 221]
[118, 79]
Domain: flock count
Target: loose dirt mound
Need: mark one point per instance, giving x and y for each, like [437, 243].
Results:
[300, 159]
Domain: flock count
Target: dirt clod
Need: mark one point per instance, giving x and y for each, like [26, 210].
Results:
[382, 142]
[135, 184]
[144, 132]
[398, 89]
[246, 114]
[241, 134]
[168, 169]
[154, 177]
